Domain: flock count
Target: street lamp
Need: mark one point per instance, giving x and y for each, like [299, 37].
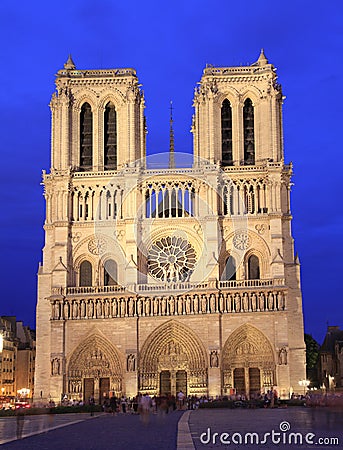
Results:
[305, 384]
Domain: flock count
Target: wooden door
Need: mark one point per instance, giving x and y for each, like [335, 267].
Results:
[165, 382]
[88, 389]
[239, 380]
[254, 381]
[181, 381]
[104, 389]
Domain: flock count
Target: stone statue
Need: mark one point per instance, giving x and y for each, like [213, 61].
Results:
[66, 310]
[106, 308]
[90, 309]
[212, 303]
[55, 366]
[131, 363]
[237, 303]
[196, 304]
[283, 357]
[75, 310]
[253, 301]
[188, 304]
[261, 302]
[130, 306]
[245, 302]
[221, 302]
[179, 306]
[214, 360]
[83, 309]
[56, 310]
[99, 308]
[155, 306]
[270, 301]
[171, 305]
[203, 304]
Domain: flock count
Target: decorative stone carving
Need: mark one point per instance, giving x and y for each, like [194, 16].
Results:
[260, 228]
[97, 246]
[241, 240]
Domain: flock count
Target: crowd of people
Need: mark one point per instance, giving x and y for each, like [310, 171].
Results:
[144, 403]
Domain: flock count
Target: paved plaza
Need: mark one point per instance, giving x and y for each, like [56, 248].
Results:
[201, 429]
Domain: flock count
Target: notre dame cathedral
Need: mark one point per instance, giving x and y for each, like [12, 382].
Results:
[156, 279]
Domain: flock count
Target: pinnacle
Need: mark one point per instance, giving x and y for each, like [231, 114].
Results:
[262, 60]
[69, 65]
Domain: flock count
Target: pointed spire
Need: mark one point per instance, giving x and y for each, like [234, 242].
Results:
[171, 139]
[262, 60]
[69, 65]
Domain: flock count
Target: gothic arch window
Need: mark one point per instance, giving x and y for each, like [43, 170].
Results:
[85, 274]
[253, 268]
[110, 137]
[249, 134]
[226, 127]
[110, 273]
[230, 269]
[86, 137]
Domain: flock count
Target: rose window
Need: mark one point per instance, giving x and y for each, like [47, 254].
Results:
[171, 259]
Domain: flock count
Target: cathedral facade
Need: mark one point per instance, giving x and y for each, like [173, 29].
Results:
[160, 279]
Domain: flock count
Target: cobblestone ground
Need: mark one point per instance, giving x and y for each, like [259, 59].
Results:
[322, 422]
[123, 431]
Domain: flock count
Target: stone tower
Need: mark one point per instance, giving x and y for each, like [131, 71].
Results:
[156, 280]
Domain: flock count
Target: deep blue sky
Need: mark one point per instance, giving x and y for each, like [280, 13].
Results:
[169, 43]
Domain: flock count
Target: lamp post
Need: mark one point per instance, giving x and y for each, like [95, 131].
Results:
[305, 384]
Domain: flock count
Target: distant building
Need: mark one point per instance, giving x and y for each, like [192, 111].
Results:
[331, 359]
[17, 358]
[160, 279]
[8, 355]
[26, 355]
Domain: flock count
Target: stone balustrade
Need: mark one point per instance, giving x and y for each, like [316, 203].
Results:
[171, 287]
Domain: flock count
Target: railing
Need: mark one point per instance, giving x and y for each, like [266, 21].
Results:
[172, 287]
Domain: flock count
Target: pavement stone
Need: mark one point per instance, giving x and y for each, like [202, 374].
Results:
[121, 431]
[323, 422]
[178, 430]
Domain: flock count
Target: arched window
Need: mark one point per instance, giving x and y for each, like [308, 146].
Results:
[226, 124]
[86, 137]
[85, 274]
[110, 273]
[249, 136]
[230, 269]
[110, 137]
[253, 268]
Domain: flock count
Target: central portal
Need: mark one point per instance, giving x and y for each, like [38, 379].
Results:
[172, 382]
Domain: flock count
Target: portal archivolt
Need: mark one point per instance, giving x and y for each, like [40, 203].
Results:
[173, 358]
[94, 369]
[248, 361]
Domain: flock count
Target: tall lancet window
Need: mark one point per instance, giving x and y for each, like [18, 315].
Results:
[85, 274]
[86, 137]
[226, 122]
[249, 135]
[110, 137]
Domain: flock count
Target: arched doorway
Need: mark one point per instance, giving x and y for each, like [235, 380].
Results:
[94, 369]
[248, 362]
[173, 359]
